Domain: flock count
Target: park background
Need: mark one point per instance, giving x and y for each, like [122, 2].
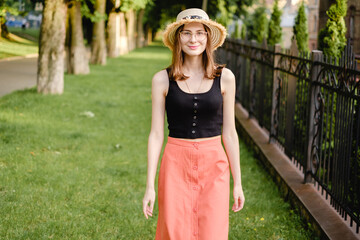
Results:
[73, 148]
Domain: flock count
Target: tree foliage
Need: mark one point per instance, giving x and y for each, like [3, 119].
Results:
[274, 30]
[256, 25]
[236, 33]
[126, 5]
[89, 12]
[332, 38]
[226, 13]
[6, 6]
[243, 32]
[300, 29]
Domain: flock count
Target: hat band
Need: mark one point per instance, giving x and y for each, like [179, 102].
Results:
[193, 17]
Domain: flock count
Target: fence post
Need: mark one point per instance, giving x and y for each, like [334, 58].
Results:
[316, 56]
[238, 68]
[244, 67]
[252, 79]
[228, 52]
[275, 94]
[290, 105]
[261, 99]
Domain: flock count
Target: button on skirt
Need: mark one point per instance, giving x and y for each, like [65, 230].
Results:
[193, 191]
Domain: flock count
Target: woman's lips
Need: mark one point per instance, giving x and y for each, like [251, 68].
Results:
[193, 47]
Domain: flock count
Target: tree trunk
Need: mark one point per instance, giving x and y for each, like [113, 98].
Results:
[148, 33]
[78, 61]
[149, 36]
[153, 35]
[98, 44]
[131, 28]
[4, 32]
[50, 77]
[140, 40]
[124, 47]
[204, 5]
[113, 29]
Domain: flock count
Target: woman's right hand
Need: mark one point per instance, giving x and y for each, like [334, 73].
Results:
[149, 198]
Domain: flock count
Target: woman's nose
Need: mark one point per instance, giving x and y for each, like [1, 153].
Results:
[193, 38]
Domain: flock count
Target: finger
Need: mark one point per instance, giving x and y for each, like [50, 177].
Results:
[152, 205]
[236, 202]
[149, 211]
[242, 203]
[237, 205]
[144, 209]
[240, 206]
[235, 209]
[145, 214]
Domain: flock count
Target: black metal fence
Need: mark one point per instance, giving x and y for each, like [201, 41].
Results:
[310, 105]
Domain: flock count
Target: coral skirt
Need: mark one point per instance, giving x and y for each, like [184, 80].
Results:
[193, 191]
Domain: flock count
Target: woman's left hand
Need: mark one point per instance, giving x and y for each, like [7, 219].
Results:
[239, 199]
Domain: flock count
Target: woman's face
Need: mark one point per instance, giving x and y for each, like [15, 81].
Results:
[193, 39]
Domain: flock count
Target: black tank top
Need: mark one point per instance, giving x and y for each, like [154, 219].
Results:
[194, 115]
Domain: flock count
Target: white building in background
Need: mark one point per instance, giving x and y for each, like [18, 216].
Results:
[289, 13]
[34, 20]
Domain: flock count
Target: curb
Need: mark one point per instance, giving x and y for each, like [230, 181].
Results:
[33, 55]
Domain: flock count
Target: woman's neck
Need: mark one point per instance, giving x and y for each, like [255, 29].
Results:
[193, 64]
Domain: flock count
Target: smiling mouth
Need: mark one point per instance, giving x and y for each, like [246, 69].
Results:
[193, 47]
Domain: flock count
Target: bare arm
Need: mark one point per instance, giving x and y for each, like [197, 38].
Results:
[230, 137]
[156, 137]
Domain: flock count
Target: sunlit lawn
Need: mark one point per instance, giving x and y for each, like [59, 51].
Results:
[22, 42]
[74, 166]
[28, 33]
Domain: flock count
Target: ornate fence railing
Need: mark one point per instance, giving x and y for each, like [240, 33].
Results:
[310, 105]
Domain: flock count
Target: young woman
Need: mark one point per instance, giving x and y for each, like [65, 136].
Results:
[198, 97]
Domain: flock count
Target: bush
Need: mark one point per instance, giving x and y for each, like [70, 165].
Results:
[300, 29]
[257, 25]
[332, 38]
[274, 30]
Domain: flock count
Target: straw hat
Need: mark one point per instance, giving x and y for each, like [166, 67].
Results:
[217, 31]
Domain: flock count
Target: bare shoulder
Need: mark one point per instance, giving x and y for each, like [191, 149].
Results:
[160, 82]
[227, 76]
[227, 81]
[161, 77]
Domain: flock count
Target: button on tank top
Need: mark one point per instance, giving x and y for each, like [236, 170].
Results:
[194, 115]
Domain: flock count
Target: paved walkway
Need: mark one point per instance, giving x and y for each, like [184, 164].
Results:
[17, 74]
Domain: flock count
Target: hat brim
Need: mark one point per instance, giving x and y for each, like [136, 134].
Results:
[217, 32]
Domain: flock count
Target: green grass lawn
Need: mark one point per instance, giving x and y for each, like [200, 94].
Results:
[31, 34]
[74, 166]
[21, 42]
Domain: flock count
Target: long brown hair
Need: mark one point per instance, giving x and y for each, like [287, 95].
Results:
[211, 68]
